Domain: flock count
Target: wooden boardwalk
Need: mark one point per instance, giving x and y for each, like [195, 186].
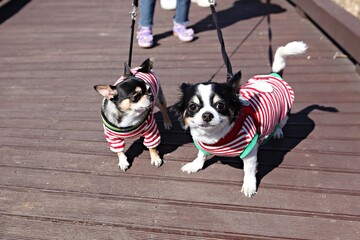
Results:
[59, 180]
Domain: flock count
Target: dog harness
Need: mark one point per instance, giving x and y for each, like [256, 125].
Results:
[267, 100]
[146, 128]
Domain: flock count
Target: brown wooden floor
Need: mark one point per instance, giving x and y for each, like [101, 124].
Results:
[59, 180]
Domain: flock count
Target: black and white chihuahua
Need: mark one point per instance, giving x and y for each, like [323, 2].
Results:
[226, 119]
[127, 111]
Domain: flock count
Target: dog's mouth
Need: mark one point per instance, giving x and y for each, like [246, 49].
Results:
[207, 125]
[142, 110]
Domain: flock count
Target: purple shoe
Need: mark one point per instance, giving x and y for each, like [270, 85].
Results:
[185, 35]
[145, 37]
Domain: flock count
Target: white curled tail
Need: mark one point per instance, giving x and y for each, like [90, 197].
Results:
[290, 49]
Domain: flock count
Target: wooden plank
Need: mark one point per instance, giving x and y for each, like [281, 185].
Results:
[329, 146]
[105, 160]
[17, 227]
[171, 217]
[289, 178]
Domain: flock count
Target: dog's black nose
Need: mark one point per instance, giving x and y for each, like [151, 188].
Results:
[207, 116]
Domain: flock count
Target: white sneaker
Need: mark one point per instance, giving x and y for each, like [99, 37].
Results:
[202, 3]
[168, 4]
[183, 33]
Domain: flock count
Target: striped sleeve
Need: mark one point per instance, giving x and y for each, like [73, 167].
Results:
[152, 135]
[116, 144]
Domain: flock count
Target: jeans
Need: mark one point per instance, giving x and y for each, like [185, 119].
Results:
[147, 9]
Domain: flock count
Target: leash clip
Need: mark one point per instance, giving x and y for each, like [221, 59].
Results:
[212, 2]
[133, 12]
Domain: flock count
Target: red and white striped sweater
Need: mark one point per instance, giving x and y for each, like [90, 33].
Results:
[269, 100]
[148, 129]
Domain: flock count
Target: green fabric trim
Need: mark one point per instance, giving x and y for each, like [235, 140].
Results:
[109, 126]
[254, 140]
[200, 149]
[243, 154]
[247, 149]
[269, 137]
[250, 146]
[126, 129]
[275, 75]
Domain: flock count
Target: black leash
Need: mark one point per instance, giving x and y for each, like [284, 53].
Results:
[221, 40]
[135, 5]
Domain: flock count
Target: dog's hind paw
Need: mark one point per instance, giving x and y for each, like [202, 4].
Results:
[167, 125]
[278, 134]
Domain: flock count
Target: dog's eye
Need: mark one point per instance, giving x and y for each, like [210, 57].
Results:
[220, 106]
[193, 107]
[136, 97]
[148, 90]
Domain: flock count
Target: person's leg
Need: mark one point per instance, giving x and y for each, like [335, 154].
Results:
[182, 11]
[144, 34]
[147, 8]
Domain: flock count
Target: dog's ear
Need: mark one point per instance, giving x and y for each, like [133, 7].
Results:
[235, 81]
[146, 66]
[106, 91]
[178, 109]
[185, 86]
[127, 71]
[179, 106]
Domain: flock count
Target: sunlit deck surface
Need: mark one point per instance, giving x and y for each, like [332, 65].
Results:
[59, 180]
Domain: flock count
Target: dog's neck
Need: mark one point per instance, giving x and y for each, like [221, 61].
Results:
[132, 118]
[122, 119]
[210, 136]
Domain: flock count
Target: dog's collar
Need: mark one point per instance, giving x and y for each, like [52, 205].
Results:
[114, 128]
[239, 120]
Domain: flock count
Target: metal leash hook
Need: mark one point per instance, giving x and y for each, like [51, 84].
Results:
[133, 19]
[133, 12]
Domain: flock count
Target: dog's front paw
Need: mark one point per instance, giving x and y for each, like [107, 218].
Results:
[155, 158]
[156, 161]
[249, 187]
[278, 134]
[192, 167]
[123, 163]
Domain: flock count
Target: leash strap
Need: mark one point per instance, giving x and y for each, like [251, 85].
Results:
[135, 5]
[221, 40]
